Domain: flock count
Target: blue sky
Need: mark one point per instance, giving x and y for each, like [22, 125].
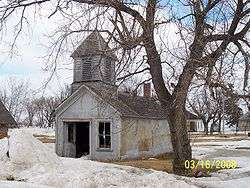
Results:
[28, 62]
[14, 69]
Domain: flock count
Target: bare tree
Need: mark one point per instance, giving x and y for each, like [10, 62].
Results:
[31, 110]
[204, 106]
[207, 30]
[44, 107]
[39, 110]
[13, 96]
[64, 93]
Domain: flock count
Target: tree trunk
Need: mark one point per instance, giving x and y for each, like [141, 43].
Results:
[206, 127]
[219, 124]
[212, 128]
[179, 138]
[174, 111]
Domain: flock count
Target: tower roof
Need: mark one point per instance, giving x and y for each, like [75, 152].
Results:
[94, 44]
[5, 116]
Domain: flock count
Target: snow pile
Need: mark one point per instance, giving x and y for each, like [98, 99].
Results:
[26, 150]
[4, 149]
[8, 184]
[78, 173]
[6, 170]
[38, 131]
[5, 166]
[37, 166]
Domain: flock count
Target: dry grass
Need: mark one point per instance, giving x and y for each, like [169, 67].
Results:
[162, 162]
[156, 164]
[166, 165]
[45, 138]
[202, 171]
[3, 134]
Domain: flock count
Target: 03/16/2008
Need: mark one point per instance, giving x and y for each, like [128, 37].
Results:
[209, 164]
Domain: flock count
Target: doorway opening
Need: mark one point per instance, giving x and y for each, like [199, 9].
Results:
[192, 126]
[81, 138]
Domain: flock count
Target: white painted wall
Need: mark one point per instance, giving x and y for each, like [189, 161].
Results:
[130, 138]
[145, 138]
[87, 107]
[200, 126]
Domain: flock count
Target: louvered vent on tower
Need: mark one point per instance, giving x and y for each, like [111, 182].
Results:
[86, 69]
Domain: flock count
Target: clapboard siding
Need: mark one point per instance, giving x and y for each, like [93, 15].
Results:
[95, 64]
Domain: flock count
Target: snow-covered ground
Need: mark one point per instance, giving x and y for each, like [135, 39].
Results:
[224, 150]
[38, 131]
[32, 164]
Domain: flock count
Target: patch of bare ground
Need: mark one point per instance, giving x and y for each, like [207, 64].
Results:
[166, 165]
[160, 163]
[45, 138]
[156, 164]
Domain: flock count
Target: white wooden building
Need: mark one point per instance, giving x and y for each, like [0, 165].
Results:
[99, 121]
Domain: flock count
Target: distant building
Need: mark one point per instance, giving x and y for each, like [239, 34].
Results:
[99, 121]
[194, 123]
[244, 122]
[6, 121]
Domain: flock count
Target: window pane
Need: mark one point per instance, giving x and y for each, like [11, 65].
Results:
[107, 128]
[107, 142]
[70, 133]
[104, 135]
[101, 141]
[101, 128]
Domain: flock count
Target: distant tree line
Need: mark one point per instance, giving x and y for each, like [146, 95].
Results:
[28, 107]
[216, 107]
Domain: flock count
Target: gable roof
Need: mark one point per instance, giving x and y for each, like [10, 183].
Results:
[94, 44]
[5, 117]
[126, 104]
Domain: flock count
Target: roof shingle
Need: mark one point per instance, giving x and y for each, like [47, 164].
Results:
[94, 44]
[5, 117]
[129, 105]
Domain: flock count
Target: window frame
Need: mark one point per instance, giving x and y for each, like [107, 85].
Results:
[104, 136]
[70, 129]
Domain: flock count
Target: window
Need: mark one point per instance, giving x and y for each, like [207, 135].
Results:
[70, 133]
[104, 135]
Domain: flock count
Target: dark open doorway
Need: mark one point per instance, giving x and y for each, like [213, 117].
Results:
[192, 126]
[82, 138]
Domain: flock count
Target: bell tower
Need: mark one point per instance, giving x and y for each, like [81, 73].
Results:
[93, 61]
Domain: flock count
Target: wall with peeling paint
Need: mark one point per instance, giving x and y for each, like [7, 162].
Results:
[130, 137]
[144, 138]
[88, 107]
